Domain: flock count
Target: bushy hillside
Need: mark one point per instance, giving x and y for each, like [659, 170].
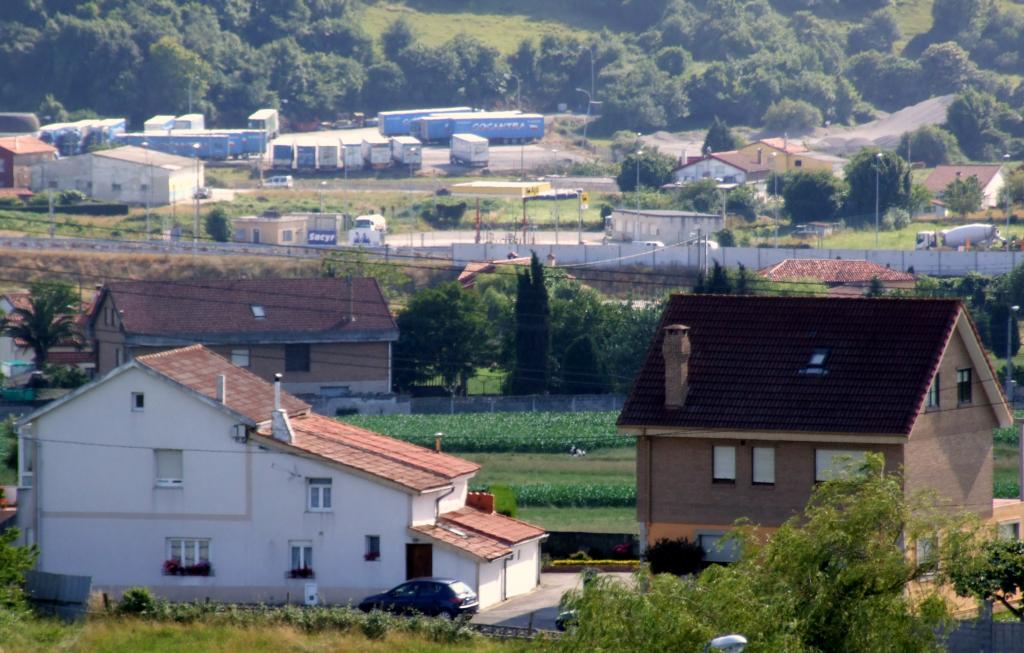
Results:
[656, 64]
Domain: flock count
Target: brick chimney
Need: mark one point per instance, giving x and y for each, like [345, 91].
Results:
[675, 349]
[482, 501]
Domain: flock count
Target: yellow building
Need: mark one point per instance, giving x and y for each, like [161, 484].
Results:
[783, 155]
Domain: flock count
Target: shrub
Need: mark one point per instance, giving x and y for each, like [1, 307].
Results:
[444, 216]
[677, 557]
[504, 500]
[895, 219]
[579, 556]
[793, 116]
[375, 625]
[71, 196]
[137, 601]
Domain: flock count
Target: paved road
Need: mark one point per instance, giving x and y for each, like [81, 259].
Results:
[541, 603]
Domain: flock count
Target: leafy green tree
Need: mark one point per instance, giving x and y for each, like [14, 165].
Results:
[49, 319]
[879, 31]
[581, 369]
[888, 81]
[963, 196]
[875, 288]
[919, 200]
[397, 37]
[811, 196]
[974, 119]
[50, 110]
[931, 145]
[893, 184]
[845, 549]
[170, 72]
[14, 562]
[384, 87]
[702, 196]
[442, 332]
[720, 138]
[533, 332]
[793, 116]
[946, 68]
[998, 314]
[953, 17]
[218, 224]
[994, 573]
[655, 170]
[673, 60]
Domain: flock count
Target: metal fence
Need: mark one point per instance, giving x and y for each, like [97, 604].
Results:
[60, 595]
[983, 635]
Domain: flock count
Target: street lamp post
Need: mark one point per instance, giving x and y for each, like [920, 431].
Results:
[775, 198]
[149, 186]
[195, 204]
[878, 165]
[1009, 354]
[636, 218]
[1006, 207]
[323, 185]
[590, 101]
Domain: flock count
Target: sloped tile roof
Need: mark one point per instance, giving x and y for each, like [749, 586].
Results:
[197, 368]
[828, 270]
[210, 307]
[25, 145]
[747, 369]
[943, 176]
[415, 467]
[784, 145]
[485, 535]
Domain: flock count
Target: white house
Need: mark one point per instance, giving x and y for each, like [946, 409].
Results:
[728, 167]
[991, 178]
[184, 473]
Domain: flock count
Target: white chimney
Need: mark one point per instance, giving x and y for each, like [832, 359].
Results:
[675, 349]
[280, 425]
[222, 388]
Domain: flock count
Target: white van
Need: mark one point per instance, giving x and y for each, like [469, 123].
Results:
[282, 181]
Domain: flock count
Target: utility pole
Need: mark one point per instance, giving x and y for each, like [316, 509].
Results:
[195, 204]
[1009, 354]
[878, 165]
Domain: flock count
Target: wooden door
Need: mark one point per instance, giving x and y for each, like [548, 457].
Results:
[419, 560]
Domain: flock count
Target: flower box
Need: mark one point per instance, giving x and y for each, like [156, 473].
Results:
[370, 557]
[175, 568]
[302, 572]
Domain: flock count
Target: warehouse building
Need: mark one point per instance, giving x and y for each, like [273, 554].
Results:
[669, 227]
[132, 175]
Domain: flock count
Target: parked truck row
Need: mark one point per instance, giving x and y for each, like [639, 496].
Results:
[373, 153]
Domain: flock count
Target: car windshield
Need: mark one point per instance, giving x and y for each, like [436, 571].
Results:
[461, 589]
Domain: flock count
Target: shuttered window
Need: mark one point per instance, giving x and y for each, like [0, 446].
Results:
[724, 465]
[764, 465]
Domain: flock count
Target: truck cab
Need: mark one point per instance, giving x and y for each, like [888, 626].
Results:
[925, 240]
[368, 230]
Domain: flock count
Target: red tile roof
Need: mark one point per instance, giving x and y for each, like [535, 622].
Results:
[749, 356]
[406, 464]
[943, 176]
[784, 145]
[202, 309]
[832, 271]
[485, 535]
[70, 357]
[468, 275]
[25, 145]
[197, 368]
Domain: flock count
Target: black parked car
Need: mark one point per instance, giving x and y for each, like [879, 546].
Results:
[434, 597]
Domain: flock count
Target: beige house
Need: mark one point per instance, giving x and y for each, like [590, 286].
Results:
[270, 229]
[744, 403]
[327, 337]
[783, 155]
[129, 174]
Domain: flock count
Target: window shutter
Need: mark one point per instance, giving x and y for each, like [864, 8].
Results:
[168, 466]
[725, 463]
[764, 465]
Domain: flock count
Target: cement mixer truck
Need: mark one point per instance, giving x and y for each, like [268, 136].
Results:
[980, 235]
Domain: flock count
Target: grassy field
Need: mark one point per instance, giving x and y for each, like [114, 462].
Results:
[109, 635]
[589, 520]
[906, 237]
[601, 466]
[1004, 466]
[499, 24]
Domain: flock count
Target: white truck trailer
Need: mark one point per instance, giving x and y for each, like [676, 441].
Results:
[376, 151]
[469, 150]
[352, 157]
[407, 151]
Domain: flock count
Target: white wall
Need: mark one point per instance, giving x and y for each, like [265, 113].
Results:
[522, 570]
[936, 263]
[711, 168]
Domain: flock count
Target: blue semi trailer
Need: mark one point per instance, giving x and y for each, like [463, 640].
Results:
[399, 123]
[283, 157]
[495, 126]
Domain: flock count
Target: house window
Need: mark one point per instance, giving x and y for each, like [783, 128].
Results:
[138, 400]
[1009, 530]
[724, 464]
[372, 547]
[286, 236]
[258, 311]
[118, 357]
[716, 549]
[186, 552]
[933, 394]
[26, 451]
[319, 495]
[927, 550]
[798, 163]
[143, 186]
[963, 386]
[168, 468]
[763, 466]
[296, 358]
[115, 187]
[240, 357]
[830, 464]
[302, 559]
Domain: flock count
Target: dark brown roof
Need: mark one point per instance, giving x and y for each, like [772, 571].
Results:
[747, 370]
[831, 270]
[197, 368]
[943, 176]
[204, 309]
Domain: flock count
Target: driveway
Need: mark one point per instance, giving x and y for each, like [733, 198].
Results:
[541, 603]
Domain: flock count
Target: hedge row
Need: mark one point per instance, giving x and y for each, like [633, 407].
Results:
[576, 495]
[79, 209]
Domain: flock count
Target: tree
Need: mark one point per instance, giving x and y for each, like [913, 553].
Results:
[720, 138]
[845, 549]
[443, 332]
[996, 572]
[533, 337]
[581, 369]
[48, 320]
[893, 184]
[875, 288]
[811, 196]
[673, 60]
[879, 31]
[396, 38]
[218, 224]
[173, 74]
[14, 562]
[931, 145]
[963, 196]
[946, 68]
[998, 314]
[973, 120]
[793, 116]
[655, 170]
[50, 110]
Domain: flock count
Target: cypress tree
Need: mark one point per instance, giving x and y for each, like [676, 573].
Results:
[533, 327]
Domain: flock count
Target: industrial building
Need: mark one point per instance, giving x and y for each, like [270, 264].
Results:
[273, 228]
[668, 227]
[132, 175]
[17, 156]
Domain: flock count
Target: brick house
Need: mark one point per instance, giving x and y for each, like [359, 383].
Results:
[744, 403]
[327, 336]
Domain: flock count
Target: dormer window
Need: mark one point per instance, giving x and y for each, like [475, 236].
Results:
[257, 311]
[816, 364]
